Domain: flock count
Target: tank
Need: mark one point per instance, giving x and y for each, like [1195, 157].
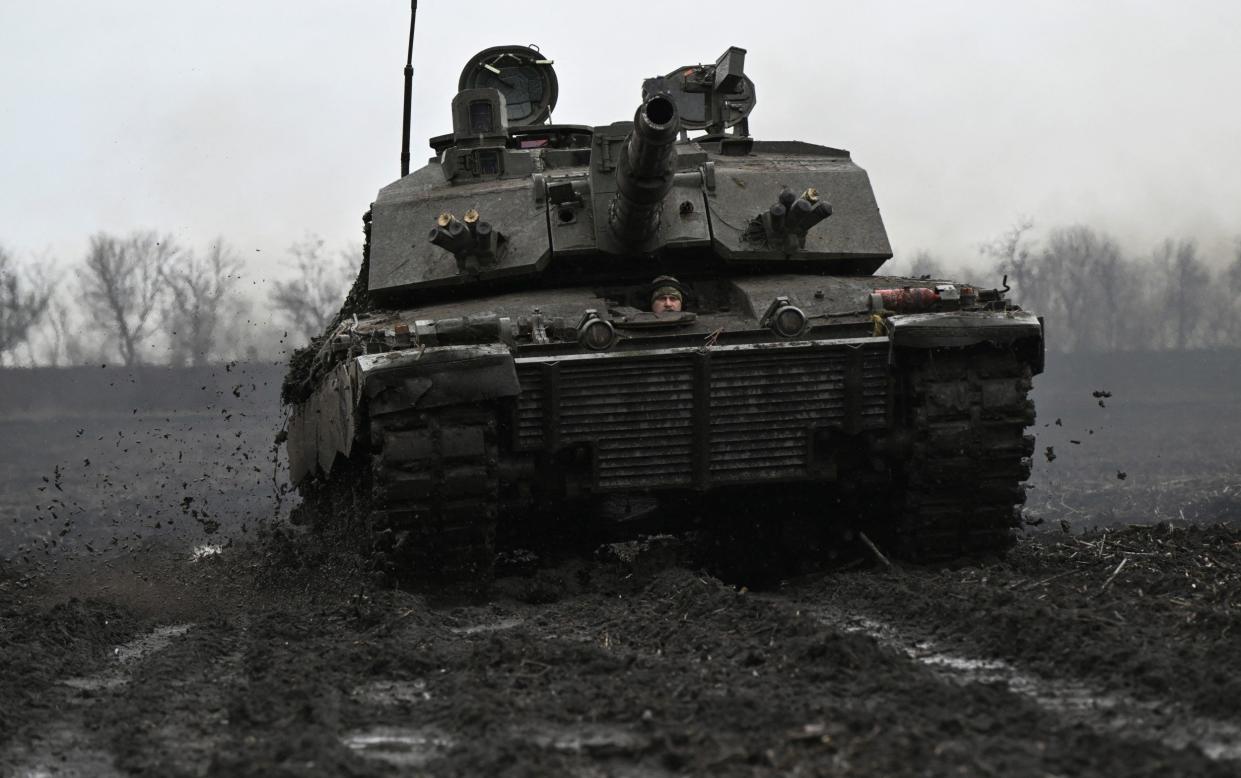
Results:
[555, 323]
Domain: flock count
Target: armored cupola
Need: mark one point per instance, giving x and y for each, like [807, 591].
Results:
[501, 89]
[521, 74]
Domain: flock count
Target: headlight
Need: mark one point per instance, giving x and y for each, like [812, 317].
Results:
[596, 334]
[788, 321]
[784, 318]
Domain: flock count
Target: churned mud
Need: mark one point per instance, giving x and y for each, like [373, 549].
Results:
[1110, 653]
[158, 616]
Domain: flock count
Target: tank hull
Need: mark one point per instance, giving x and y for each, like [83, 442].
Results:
[916, 434]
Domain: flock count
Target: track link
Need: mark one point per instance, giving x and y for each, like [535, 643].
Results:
[963, 481]
[434, 493]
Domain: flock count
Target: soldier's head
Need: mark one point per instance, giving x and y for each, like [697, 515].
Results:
[666, 294]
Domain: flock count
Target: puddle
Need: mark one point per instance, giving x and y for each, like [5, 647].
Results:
[414, 747]
[392, 692]
[400, 746]
[205, 550]
[156, 640]
[495, 626]
[1169, 724]
[591, 739]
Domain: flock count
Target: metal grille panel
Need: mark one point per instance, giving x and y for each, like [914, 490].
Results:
[751, 408]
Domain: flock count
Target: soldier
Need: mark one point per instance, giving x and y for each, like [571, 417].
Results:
[666, 295]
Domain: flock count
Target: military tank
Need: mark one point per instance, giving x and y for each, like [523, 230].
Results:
[550, 316]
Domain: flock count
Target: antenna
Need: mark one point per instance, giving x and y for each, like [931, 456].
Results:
[409, 81]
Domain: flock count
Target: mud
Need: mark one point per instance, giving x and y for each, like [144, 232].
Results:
[137, 638]
[635, 662]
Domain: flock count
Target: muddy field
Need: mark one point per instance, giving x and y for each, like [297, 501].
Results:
[144, 631]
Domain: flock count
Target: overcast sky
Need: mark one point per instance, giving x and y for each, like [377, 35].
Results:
[262, 121]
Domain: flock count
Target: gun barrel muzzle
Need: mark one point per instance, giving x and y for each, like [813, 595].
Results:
[645, 170]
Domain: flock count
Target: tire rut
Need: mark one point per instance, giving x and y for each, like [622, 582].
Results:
[74, 742]
[1105, 711]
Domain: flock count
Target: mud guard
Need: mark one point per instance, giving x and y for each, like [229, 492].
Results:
[435, 377]
[322, 426]
[971, 328]
[325, 425]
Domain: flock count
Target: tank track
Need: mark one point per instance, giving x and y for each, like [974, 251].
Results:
[970, 454]
[434, 493]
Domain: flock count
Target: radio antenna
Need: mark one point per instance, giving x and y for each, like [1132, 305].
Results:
[409, 81]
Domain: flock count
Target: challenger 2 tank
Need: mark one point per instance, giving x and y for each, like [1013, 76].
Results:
[498, 366]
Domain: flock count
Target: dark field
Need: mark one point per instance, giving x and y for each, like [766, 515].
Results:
[102, 459]
[1096, 648]
[1164, 446]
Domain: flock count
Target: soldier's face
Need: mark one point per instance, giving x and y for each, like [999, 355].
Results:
[666, 302]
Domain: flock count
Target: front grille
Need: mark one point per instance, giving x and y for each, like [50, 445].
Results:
[689, 417]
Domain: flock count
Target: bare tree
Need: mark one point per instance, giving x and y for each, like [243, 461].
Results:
[198, 293]
[247, 339]
[123, 288]
[1068, 273]
[23, 302]
[306, 303]
[62, 339]
[1185, 283]
[1233, 273]
[1011, 252]
[1102, 300]
[1111, 302]
[1231, 332]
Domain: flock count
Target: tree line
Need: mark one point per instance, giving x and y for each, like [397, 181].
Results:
[1096, 298]
[143, 298]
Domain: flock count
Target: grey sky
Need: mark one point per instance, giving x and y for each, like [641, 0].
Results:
[261, 121]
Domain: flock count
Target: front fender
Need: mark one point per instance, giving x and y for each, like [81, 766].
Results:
[325, 425]
[970, 328]
[435, 377]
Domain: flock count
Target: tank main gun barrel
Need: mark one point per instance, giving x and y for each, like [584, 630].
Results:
[645, 170]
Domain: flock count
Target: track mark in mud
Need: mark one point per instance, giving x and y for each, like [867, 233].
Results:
[590, 739]
[392, 693]
[400, 746]
[156, 640]
[1166, 723]
[495, 626]
[61, 753]
[183, 698]
[67, 747]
